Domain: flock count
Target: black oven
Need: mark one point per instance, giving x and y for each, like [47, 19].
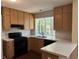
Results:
[20, 43]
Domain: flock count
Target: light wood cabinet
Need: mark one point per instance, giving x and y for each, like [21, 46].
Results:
[8, 49]
[67, 18]
[13, 15]
[26, 21]
[20, 17]
[63, 18]
[31, 21]
[58, 18]
[46, 55]
[5, 18]
[35, 44]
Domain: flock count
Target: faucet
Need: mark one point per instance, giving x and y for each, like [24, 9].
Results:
[42, 34]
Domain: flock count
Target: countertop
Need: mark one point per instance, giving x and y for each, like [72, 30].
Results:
[33, 36]
[40, 37]
[60, 48]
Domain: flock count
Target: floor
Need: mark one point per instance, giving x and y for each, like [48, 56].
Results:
[30, 55]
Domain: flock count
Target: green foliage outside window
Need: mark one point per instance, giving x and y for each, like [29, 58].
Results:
[44, 25]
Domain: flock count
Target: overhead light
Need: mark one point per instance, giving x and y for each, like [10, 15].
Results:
[13, 0]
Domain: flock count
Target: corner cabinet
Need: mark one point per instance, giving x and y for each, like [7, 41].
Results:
[63, 18]
[5, 18]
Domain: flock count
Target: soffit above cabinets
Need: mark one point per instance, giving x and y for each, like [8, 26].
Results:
[34, 6]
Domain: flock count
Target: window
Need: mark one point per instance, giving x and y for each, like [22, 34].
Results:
[44, 25]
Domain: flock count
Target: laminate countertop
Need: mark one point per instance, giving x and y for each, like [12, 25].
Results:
[60, 48]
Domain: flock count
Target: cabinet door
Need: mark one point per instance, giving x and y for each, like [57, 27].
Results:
[41, 44]
[58, 18]
[13, 16]
[26, 21]
[35, 44]
[31, 21]
[49, 56]
[20, 17]
[67, 18]
[5, 18]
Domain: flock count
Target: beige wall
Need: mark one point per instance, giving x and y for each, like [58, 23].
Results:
[44, 14]
[75, 22]
[75, 28]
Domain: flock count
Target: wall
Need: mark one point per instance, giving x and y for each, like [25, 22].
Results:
[63, 35]
[75, 28]
[44, 14]
[75, 22]
[24, 32]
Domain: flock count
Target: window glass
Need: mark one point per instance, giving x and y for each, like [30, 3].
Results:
[44, 25]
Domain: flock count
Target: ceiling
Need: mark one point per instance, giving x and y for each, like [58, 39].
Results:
[34, 6]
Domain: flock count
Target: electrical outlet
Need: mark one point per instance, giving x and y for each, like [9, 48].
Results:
[49, 57]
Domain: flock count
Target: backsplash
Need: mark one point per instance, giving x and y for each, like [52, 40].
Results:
[24, 32]
[63, 35]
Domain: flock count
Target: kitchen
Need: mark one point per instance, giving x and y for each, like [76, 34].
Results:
[49, 33]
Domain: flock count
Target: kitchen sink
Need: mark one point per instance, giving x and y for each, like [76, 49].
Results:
[47, 42]
[41, 36]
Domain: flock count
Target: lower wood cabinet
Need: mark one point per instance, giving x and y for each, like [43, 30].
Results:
[8, 48]
[35, 44]
[46, 55]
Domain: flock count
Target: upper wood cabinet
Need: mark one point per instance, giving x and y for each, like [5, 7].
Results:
[13, 15]
[26, 21]
[63, 18]
[5, 18]
[31, 16]
[67, 18]
[58, 18]
[20, 17]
